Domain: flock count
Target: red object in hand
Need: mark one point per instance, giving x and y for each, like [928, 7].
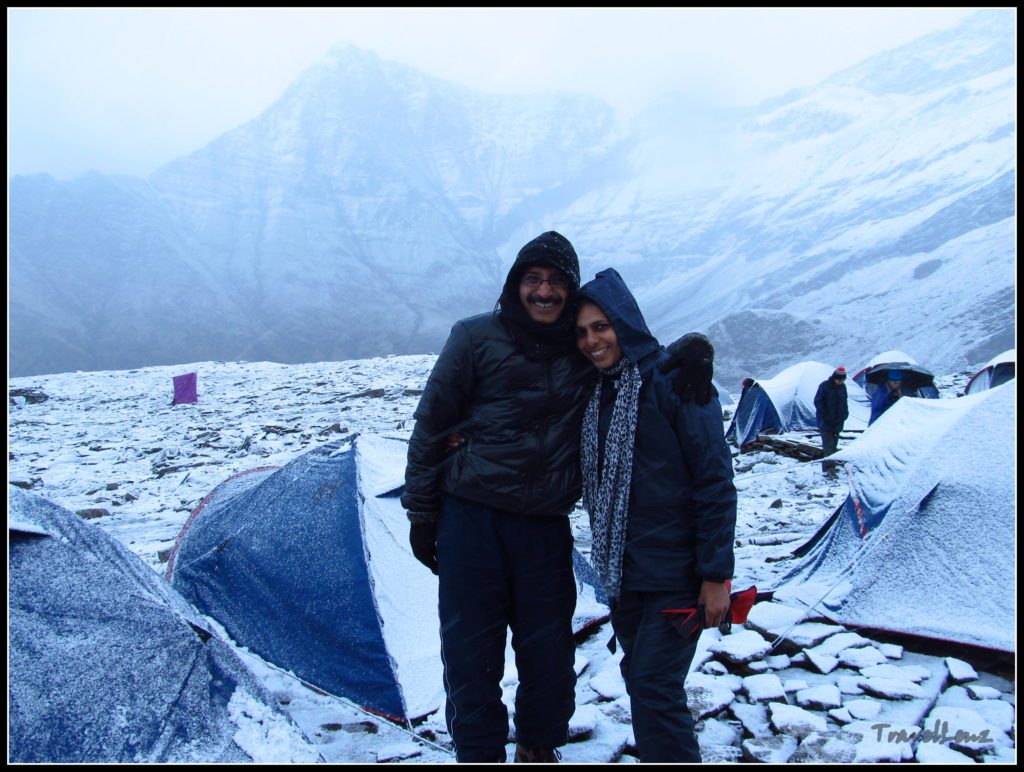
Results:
[690, 621]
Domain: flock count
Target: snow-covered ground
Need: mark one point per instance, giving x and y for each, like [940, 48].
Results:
[110, 446]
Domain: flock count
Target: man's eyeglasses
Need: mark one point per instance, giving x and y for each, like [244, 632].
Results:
[534, 280]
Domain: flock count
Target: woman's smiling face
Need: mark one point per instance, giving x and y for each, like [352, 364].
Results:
[596, 338]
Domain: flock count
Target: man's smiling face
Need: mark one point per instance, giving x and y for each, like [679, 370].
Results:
[543, 292]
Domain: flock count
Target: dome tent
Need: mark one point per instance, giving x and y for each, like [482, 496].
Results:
[917, 380]
[997, 371]
[108, 664]
[924, 543]
[309, 566]
[785, 403]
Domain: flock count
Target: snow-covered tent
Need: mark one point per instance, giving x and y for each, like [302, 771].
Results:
[883, 358]
[924, 543]
[785, 403]
[309, 566]
[916, 378]
[998, 371]
[108, 663]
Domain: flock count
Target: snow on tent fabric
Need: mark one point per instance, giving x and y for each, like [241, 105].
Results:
[999, 370]
[309, 566]
[917, 380]
[924, 543]
[107, 662]
[880, 359]
[785, 403]
[185, 389]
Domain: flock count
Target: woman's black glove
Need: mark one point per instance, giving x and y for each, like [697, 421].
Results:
[423, 538]
[692, 357]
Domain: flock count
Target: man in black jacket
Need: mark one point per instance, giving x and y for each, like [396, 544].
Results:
[491, 518]
[831, 411]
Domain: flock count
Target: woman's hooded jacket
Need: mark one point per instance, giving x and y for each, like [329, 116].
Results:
[682, 504]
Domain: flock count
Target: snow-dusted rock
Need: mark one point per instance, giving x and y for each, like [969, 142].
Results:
[823, 697]
[861, 657]
[794, 685]
[964, 727]
[914, 673]
[890, 650]
[850, 684]
[714, 667]
[823, 663]
[398, 751]
[778, 661]
[769, 750]
[741, 647]
[842, 715]
[795, 721]
[892, 688]
[764, 687]
[759, 666]
[882, 741]
[608, 683]
[999, 713]
[830, 748]
[580, 663]
[932, 753]
[716, 733]
[864, 709]
[734, 682]
[772, 619]
[960, 671]
[983, 692]
[707, 695]
[583, 722]
[810, 634]
[754, 718]
[837, 643]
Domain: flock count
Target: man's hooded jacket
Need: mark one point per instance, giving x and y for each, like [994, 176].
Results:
[516, 390]
[682, 503]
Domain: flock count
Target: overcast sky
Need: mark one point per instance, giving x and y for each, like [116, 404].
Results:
[127, 90]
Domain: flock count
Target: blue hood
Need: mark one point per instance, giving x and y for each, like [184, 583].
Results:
[610, 292]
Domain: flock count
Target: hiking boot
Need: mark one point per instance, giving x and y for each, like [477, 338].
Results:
[527, 754]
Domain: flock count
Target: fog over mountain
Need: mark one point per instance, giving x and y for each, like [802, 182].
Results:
[374, 205]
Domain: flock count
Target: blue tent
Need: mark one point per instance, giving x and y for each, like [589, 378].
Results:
[108, 664]
[785, 403]
[924, 543]
[309, 566]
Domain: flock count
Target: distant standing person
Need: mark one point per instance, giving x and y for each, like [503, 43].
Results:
[885, 396]
[831, 410]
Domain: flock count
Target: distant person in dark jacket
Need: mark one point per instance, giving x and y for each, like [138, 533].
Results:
[657, 483]
[887, 394]
[831, 410]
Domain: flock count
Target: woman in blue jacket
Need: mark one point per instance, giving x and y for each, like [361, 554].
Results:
[657, 483]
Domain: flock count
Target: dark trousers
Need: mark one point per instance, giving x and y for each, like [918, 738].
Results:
[498, 570]
[656, 658]
[829, 443]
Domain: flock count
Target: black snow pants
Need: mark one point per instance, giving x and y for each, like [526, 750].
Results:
[655, 661]
[499, 570]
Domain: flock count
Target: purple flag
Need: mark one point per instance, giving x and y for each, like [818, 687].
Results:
[184, 389]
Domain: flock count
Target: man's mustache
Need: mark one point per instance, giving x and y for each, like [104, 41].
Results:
[536, 297]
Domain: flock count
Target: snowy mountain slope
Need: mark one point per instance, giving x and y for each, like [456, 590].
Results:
[373, 205]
